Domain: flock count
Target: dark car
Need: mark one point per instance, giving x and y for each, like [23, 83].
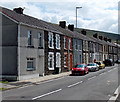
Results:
[108, 62]
[117, 61]
[80, 69]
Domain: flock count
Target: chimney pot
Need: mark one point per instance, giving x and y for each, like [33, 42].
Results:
[71, 27]
[18, 10]
[62, 24]
[83, 32]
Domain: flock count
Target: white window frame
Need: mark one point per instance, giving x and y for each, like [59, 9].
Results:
[65, 42]
[49, 36]
[57, 41]
[69, 42]
[51, 68]
[65, 60]
[40, 37]
[30, 38]
[58, 59]
[33, 61]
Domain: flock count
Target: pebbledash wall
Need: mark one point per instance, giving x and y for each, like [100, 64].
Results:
[17, 52]
[28, 53]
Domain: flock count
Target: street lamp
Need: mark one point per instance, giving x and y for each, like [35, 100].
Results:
[76, 14]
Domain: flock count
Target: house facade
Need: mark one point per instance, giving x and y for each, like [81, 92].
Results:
[53, 53]
[22, 47]
[32, 47]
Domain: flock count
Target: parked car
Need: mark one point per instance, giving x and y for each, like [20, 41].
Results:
[117, 61]
[108, 62]
[101, 64]
[80, 69]
[93, 67]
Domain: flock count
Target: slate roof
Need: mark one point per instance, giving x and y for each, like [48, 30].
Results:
[22, 18]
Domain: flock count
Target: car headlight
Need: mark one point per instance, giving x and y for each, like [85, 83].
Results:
[82, 68]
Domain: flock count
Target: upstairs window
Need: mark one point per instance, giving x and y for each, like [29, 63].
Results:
[65, 43]
[57, 41]
[40, 40]
[70, 44]
[29, 38]
[76, 45]
[50, 42]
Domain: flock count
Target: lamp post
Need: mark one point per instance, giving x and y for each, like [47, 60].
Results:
[76, 14]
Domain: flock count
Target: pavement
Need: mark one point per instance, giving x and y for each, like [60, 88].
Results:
[16, 84]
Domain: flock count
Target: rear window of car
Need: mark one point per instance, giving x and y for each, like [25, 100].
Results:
[98, 63]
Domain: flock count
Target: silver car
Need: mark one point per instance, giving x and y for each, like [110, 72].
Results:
[93, 67]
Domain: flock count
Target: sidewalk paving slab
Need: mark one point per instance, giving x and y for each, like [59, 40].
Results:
[22, 83]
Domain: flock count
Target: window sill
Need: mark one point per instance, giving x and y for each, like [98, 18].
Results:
[30, 46]
[58, 48]
[40, 47]
[51, 47]
[30, 69]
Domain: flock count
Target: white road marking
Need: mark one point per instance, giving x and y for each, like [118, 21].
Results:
[46, 94]
[102, 73]
[75, 84]
[91, 78]
[109, 70]
[116, 93]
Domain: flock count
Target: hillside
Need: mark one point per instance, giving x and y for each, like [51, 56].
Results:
[113, 36]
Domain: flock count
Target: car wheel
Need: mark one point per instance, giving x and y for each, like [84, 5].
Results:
[84, 72]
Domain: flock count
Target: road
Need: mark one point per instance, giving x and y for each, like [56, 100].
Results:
[99, 85]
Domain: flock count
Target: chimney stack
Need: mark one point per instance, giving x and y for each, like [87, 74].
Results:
[101, 37]
[95, 35]
[71, 27]
[83, 32]
[18, 10]
[62, 24]
[105, 38]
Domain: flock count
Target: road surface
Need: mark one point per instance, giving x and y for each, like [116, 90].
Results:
[100, 85]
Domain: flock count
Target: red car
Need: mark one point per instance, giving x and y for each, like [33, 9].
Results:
[80, 69]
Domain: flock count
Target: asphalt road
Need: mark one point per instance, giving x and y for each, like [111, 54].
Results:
[99, 85]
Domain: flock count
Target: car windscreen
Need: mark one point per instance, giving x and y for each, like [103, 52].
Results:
[79, 66]
[92, 64]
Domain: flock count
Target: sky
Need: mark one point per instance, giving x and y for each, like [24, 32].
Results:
[99, 15]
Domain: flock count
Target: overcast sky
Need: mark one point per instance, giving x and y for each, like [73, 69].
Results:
[99, 15]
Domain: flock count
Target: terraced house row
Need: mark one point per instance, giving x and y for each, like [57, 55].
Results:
[33, 48]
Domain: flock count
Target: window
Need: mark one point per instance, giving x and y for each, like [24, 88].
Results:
[51, 61]
[50, 40]
[29, 38]
[30, 64]
[57, 41]
[69, 46]
[65, 60]
[58, 60]
[64, 42]
[76, 46]
[40, 42]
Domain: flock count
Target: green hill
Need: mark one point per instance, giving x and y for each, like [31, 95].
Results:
[113, 36]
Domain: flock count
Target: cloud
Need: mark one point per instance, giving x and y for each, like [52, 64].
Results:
[94, 14]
